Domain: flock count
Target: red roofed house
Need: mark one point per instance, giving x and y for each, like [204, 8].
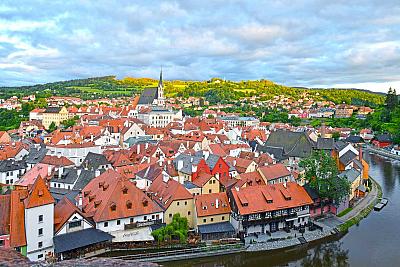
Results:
[4, 137]
[269, 208]
[174, 198]
[213, 212]
[31, 221]
[276, 173]
[117, 206]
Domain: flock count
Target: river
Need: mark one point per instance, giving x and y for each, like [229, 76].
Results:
[374, 242]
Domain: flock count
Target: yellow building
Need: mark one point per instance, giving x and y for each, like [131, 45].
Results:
[212, 216]
[207, 183]
[174, 198]
[54, 114]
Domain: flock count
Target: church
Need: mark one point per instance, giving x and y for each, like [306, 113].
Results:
[151, 107]
[153, 96]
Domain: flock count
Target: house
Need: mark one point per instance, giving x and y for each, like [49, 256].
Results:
[288, 147]
[382, 140]
[31, 221]
[276, 173]
[94, 161]
[206, 182]
[212, 216]
[4, 137]
[357, 189]
[269, 208]
[118, 207]
[343, 111]
[11, 171]
[174, 198]
[54, 114]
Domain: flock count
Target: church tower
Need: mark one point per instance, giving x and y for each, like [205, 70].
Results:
[160, 91]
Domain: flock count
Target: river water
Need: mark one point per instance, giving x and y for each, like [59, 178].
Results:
[374, 242]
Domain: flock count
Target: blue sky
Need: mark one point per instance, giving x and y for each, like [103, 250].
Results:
[298, 43]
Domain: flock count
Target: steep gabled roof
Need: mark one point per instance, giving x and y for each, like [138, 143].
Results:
[167, 192]
[274, 171]
[5, 208]
[294, 144]
[63, 211]
[148, 95]
[17, 218]
[39, 195]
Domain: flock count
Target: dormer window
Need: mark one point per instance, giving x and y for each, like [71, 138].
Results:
[105, 186]
[145, 202]
[86, 193]
[124, 190]
[40, 193]
[101, 184]
[113, 206]
[128, 204]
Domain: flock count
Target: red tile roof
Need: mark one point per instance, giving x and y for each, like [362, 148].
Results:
[253, 199]
[17, 218]
[5, 207]
[111, 196]
[63, 211]
[39, 195]
[274, 171]
[167, 192]
[212, 204]
[57, 161]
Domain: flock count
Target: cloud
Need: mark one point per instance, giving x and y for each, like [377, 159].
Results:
[301, 43]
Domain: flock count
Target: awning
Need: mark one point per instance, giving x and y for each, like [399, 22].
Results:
[133, 235]
[79, 239]
[222, 227]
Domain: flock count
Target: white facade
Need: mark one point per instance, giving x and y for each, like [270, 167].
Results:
[75, 223]
[11, 177]
[119, 224]
[39, 230]
[75, 154]
[160, 117]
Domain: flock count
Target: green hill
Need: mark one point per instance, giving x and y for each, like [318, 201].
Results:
[215, 90]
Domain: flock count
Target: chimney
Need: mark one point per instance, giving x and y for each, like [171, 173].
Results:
[78, 172]
[97, 173]
[147, 145]
[234, 162]
[284, 184]
[360, 155]
[80, 201]
[49, 169]
[138, 149]
[216, 203]
[217, 176]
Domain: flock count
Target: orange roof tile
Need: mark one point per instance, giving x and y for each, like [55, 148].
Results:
[167, 192]
[17, 218]
[111, 196]
[254, 199]
[212, 204]
[63, 211]
[39, 195]
[274, 171]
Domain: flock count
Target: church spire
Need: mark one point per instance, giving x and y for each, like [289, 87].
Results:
[160, 82]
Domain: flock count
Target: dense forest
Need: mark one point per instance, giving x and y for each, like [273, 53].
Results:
[215, 90]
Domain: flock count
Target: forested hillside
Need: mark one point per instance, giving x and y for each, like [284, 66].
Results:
[216, 90]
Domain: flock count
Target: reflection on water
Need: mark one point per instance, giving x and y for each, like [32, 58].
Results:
[374, 242]
[327, 255]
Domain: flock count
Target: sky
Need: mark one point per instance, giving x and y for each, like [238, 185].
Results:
[296, 43]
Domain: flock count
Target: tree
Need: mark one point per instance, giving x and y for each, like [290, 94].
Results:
[336, 135]
[391, 100]
[178, 229]
[321, 173]
[52, 127]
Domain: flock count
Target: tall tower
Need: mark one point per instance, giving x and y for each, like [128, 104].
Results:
[160, 91]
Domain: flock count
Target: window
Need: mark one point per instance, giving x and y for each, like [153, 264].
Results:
[145, 218]
[131, 220]
[185, 203]
[40, 244]
[40, 231]
[1, 242]
[189, 212]
[75, 224]
[204, 220]
[40, 256]
[118, 222]
[105, 224]
[212, 219]
[209, 191]
[170, 215]
[223, 217]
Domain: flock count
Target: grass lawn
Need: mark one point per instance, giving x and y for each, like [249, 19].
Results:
[344, 212]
